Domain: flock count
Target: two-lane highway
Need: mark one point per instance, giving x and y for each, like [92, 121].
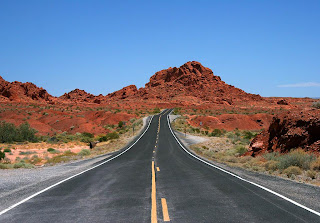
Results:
[156, 180]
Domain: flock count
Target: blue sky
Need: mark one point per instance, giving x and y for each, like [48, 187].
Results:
[266, 47]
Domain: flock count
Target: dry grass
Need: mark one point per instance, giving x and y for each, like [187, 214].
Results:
[296, 165]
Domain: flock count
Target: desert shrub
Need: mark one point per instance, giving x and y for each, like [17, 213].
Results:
[53, 151]
[50, 150]
[292, 170]
[240, 150]
[10, 133]
[315, 165]
[109, 136]
[35, 159]
[22, 164]
[316, 104]
[216, 133]
[312, 174]
[297, 158]
[271, 156]
[26, 153]
[86, 139]
[6, 160]
[57, 159]
[245, 159]
[120, 124]
[84, 152]
[2, 155]
[249, 135]
[87, 134]
[112, 135]
[69, 153]
[103, 139]
[7, 150]
[271, 165]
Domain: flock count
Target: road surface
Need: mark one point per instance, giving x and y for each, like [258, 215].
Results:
[156, 180]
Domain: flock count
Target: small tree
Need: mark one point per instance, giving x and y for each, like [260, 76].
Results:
[120, 124]
[2, 155]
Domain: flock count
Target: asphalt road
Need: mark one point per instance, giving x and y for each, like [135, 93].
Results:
[156, 181]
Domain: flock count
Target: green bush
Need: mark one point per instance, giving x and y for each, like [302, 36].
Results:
[292, 170]
[120, 124]
[9, 133]
[84, 152]
[216, 133]
[50, 150]
[7, 150]
[297, 158]
[53, 151]
[113, 135]
[103, 139]
[87, 134]
[249, 135]
[2, 155]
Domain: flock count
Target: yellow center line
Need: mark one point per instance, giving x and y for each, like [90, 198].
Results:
[165, 210]
[153, 197]
[158, 169]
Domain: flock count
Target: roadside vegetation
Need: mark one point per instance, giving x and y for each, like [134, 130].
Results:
[230, 147]
[49, 150]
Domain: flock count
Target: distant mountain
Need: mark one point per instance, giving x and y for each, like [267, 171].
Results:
[190, 83]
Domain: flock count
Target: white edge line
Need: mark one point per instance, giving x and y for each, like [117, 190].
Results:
[240, 178]
[62, 181]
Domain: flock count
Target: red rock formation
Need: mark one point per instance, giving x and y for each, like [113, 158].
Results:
[22, 92]
[125, 92]
[191, 82]
[289, 130]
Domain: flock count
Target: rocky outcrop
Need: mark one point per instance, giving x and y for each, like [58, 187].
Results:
[125, 92]
[23, 92]
[189, 82]
[78, 95]
[296, 129]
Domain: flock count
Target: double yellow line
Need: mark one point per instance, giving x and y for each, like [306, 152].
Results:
[154, 218]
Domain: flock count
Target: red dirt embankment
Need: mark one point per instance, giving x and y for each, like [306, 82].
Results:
[232, 121]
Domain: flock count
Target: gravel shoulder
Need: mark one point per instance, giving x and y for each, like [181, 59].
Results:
[18, 184]
[305, 194]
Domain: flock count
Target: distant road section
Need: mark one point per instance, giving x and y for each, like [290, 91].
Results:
[156, 180]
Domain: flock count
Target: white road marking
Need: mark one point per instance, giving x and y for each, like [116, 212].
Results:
[62, 181]
[240, 178]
